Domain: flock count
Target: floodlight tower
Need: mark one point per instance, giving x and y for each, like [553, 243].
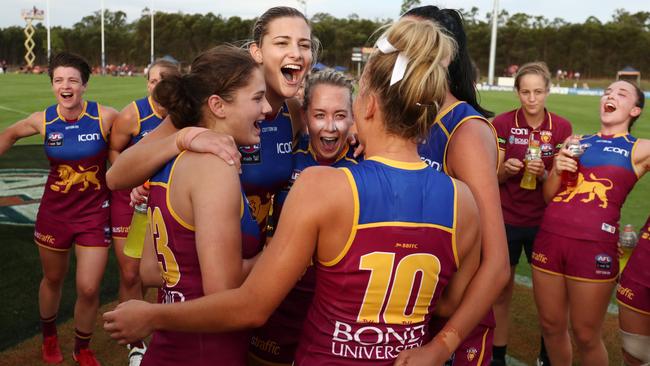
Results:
[30, 15]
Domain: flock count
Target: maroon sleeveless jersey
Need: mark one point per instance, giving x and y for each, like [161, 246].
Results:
[175, 245]
[591, 209]
[375, 299]
[75, 190]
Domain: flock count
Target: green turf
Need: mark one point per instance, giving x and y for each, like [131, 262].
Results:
[22, 94]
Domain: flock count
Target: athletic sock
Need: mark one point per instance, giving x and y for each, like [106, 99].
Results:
[81, 340]
[543, 356]
[48, 326]
[499, 352]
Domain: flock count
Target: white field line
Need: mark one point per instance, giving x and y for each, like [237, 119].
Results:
[14, 110]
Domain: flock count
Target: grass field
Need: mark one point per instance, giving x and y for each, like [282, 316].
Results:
[22, 94]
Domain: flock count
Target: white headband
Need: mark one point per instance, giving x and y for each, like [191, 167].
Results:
[399, 69]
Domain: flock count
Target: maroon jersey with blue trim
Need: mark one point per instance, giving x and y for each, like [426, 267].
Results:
[375, 299]
[606, 176]
[77, 150]
[175, 245]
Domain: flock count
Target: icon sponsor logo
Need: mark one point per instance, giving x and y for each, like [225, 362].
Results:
[519, 131]
[617, 150]
[434, 164]
[85, 137]
[284, 147]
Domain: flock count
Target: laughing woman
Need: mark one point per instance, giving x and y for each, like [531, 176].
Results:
[575, 252]
[282, 44]
[74, 210]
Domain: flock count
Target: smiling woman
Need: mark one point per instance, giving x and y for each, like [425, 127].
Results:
[575, 253]
[282, 44]
[74, 208]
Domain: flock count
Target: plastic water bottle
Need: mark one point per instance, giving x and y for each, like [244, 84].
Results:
[534, 152]
[628, 239]
[135, 238]
[570, 179]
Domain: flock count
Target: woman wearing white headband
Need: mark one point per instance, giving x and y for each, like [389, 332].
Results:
[375, 231]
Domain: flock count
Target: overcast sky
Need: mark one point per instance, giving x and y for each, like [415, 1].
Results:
[68, 12]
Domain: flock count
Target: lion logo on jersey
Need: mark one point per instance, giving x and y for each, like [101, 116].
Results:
[593, 188]
[259, 210]
[471, 354]
[69, 177]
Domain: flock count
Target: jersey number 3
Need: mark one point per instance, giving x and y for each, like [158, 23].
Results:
[398, 290]
[166, 259]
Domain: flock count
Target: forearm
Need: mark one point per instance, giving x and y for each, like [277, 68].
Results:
[139, 162]
[220, 312]
[551, 184]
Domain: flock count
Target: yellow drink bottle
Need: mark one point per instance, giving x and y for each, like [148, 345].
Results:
[534, 152]
[135, 238]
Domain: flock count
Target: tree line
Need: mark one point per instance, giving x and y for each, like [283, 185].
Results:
[594, 48]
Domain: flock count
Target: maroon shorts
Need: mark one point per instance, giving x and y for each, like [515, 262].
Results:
[632, 294]
[581, 260]
[121, 213]
[61, 235]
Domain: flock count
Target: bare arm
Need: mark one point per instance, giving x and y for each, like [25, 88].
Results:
[29, 126]
[641, 157]
[472, 159]
[276, 272]
[216, 204]
[142, 160]
[124, 128]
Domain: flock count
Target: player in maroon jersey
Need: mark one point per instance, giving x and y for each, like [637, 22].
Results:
[575, 255]
[200, 224]
[74, 209]
[134, 122]
[390, 119]
[523, 208]
[633, 296]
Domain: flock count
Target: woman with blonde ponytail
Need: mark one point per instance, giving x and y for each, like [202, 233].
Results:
[391, 239]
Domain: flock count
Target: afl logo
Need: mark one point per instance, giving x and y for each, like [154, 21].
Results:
[250, 154]
[250, 149]
[603, 261]
[55, 139]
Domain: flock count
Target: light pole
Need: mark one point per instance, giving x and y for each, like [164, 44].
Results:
[103, 53]
[493, 42]
[152, 44]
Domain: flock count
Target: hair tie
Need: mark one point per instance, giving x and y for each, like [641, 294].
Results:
[399, 69]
